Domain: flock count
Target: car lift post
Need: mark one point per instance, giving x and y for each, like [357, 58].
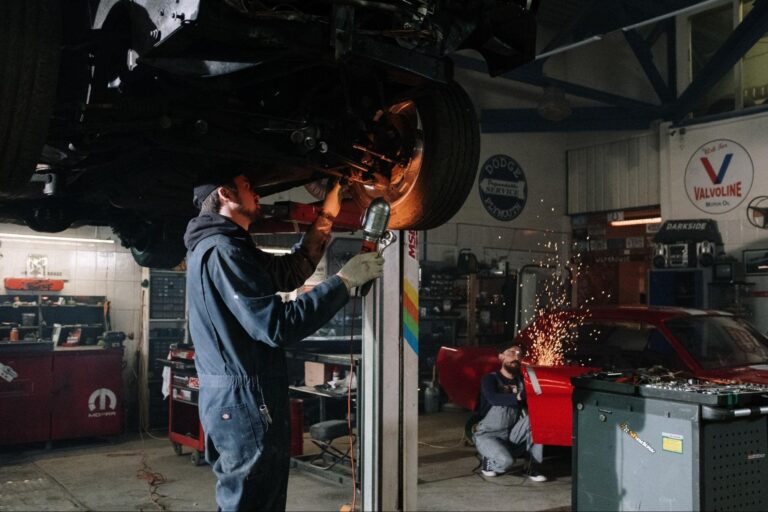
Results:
[389, 378]
[389, 381]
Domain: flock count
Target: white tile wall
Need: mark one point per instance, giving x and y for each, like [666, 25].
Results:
[86, 265]
[88, 269]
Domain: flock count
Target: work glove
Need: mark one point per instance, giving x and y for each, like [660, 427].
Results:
[361, 268]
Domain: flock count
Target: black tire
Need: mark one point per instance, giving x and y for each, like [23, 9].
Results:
[30, 40]
[159, 248]
[49, 217]
[178, 449]
[450, 158]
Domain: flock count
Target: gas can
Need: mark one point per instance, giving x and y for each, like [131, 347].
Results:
[431, 399]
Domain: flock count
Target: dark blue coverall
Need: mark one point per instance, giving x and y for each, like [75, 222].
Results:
[239, 327]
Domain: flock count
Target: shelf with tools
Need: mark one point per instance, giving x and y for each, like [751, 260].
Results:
[62, 319]
[474, 308]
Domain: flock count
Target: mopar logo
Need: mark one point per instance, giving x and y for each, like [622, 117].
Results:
[101, 400]
[502, 186]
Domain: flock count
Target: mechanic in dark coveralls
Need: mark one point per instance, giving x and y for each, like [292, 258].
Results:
[239, 326]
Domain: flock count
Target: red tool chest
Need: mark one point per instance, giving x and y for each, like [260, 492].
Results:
[59, 394]
[87, 393]
[184, 428]
[24, 399]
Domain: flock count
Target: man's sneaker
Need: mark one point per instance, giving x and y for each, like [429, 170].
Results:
[486, 468]
[535, 476]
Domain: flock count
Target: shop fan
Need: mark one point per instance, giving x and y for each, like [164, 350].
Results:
[757, 212]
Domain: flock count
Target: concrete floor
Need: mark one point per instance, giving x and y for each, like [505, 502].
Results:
[145, 474]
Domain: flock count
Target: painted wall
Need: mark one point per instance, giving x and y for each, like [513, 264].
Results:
[678, 147]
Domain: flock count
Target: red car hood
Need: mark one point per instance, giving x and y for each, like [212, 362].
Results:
[459, 371]
[757, 374]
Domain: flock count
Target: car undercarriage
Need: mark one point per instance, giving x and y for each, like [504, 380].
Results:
[127, 104]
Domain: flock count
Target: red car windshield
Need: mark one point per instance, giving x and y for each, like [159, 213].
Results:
[720, 341]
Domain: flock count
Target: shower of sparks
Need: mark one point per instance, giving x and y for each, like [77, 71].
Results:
[552, 338]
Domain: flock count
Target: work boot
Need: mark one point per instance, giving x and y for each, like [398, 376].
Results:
[534, 475]
[485, 469]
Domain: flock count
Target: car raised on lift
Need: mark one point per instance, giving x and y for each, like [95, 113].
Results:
[111, 110]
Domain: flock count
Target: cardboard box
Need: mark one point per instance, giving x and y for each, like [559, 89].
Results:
[316, 373]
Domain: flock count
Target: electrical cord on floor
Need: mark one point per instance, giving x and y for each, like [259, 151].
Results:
[154, 478]
[459, 443]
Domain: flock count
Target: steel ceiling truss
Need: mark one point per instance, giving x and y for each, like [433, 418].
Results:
[621, 112]
[750, 30]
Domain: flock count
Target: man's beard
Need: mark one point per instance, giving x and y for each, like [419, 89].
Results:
[253, 216]
[513, 367]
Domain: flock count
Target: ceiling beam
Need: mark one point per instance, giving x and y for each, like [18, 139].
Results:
[750, 30]
[525, 75]
[671, 55]
[642, 50]
[644, 55]
[581, 119]
[564, 35]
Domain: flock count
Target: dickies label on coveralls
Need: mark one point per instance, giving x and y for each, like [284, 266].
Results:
[237, 437]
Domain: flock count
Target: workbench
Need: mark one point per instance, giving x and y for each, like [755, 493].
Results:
[336, 474]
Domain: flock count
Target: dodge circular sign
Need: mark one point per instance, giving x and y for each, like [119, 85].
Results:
[719, 176]
[503, 189]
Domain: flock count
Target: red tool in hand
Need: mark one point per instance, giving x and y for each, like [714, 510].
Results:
[375, 233]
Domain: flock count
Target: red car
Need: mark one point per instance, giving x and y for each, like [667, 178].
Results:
[709, 345]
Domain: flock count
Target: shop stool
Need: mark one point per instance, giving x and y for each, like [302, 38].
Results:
[323, 434]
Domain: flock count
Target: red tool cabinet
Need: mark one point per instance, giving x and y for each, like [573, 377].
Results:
[87, 393]
[184, 428]
[24, 400]
[60, 394]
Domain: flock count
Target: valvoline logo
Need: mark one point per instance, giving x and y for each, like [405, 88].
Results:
[719, 176]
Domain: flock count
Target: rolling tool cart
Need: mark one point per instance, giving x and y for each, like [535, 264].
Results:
[678, 445]
[184, 428]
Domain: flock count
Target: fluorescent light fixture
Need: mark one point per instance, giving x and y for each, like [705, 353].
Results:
[567, 47]
[275, 250]
[635, 222]
[17, 236]
[692, 8]
[686, 10]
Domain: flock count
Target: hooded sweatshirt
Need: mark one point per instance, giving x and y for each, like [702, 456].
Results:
[237, 323]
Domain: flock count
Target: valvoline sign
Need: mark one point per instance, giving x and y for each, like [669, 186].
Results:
[719, 176]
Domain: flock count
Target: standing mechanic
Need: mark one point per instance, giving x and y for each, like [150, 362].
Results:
[239, 326]
[504, 432]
